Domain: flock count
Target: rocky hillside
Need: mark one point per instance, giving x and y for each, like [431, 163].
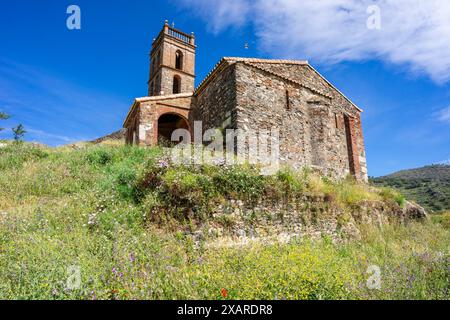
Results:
[429, 186]
[115, 136]
[137, 226]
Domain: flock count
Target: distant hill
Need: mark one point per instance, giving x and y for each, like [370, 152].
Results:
[429, 186]
[115, 136]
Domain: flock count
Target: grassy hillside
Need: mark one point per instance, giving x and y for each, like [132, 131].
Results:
[116, 215]
[429, 186]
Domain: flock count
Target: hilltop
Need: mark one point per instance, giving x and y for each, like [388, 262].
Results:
[429, 186]
[133, 225]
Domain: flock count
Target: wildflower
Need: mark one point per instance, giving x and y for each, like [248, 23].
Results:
[163, 164]
[132, 258]
[92, 220]
[224, 292]
[219, 162]
[411, 280]
[54, 292]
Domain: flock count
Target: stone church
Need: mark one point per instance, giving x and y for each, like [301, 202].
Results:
[319, 127]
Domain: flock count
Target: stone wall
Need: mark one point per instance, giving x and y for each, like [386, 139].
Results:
[310, 217]
[312, 130]
[339, 108]
[216, 103]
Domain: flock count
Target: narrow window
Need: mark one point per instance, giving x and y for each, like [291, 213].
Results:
[179, 60]
[176, 84]
[336, 121]
[349, 132]
[288, 103]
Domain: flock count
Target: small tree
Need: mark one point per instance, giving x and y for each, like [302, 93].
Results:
[19, 132]
[3, 116]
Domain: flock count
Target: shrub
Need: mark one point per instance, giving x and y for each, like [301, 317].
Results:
[15, 155]
[390, 194]
[100, 156]
[442, 219]
[293, 181]
[125, 181]
[241, 182]
[351, 193]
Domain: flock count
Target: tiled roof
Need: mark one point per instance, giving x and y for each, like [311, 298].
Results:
[289, 79]
[268, 61]
[252, 61]
[164, 97]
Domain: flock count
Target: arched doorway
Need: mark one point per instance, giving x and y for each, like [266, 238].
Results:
[167, 124]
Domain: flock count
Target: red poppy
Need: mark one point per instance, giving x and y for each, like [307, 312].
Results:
[224, 292]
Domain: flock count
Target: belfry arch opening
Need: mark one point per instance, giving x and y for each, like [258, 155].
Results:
[179, 60]
[167, 124]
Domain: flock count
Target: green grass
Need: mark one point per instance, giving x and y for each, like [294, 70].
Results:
[106, 210]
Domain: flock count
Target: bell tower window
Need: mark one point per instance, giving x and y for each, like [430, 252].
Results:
[179, 60]
[176, 84]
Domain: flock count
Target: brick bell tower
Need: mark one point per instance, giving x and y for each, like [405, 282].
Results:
[172, 62]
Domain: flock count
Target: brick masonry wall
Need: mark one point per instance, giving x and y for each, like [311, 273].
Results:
[167, 47]
[169, 50]
[144, 119]
[167, 75]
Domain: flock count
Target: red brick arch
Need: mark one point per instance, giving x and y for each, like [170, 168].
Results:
[164, 112]
[167, 123]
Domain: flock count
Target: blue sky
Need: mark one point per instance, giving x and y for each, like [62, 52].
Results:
[70, 85]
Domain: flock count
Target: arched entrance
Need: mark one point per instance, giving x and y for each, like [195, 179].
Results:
[167, 124]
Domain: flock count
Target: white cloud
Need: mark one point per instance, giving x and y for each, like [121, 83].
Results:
[414, 33]
[220, 14]
[444, 115]
[40, 135]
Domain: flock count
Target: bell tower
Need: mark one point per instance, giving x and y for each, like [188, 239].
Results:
[172, 62]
